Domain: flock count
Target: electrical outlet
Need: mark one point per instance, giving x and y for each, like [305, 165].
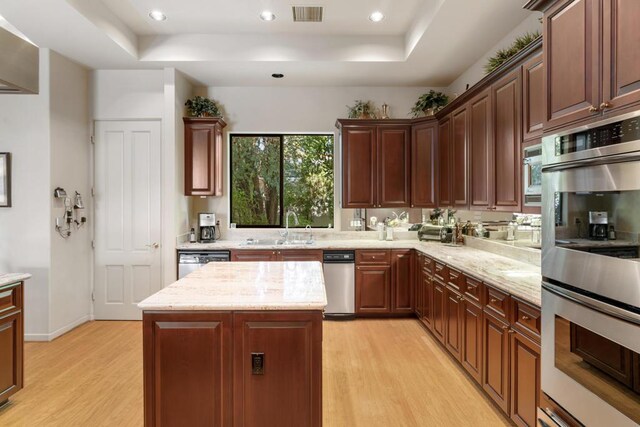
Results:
[577, 221]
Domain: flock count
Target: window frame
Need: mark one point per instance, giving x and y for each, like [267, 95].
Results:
[281, 136]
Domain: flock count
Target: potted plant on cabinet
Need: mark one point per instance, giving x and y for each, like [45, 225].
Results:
[199, 106]
[429, 103]
[362, 110]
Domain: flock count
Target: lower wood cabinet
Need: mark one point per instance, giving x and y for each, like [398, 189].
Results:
[471, 356]
[419, 288]
[254, 255]
[373, 289]
[438, 310]
[495, 375]
[525, 380]
[427, 299]
[453, 325]
[300, 255]
[11, 340]
[402, 267]
[201, 370]
[277, 255]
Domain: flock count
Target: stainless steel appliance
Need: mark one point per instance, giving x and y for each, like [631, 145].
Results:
[190, 261]
[339, 280]
[207, 227]
[591, 288]
[432, 232]
[598, 225]
[532, 175]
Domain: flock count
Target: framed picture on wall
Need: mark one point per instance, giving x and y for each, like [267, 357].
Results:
[5, 180]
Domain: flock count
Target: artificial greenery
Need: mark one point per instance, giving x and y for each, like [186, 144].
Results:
[362, 110]
[202, 107]
[503, 55]
[430, 100]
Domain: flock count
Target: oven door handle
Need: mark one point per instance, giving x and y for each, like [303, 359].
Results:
[592, 303]
[603, 160]
[548, 418]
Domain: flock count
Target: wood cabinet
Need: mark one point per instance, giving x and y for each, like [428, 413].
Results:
[276, 255]
[506, 185]
[233, 368]
[481, 150]
[444, 162]
[375, 164]
[471, 325]
[203, 156]
[402, 268]
[453, 325]
[424, 143]
[419, 290]
[373, 289]
[427, 299]
[592, 64]
[459, 157]
[438, 318]
[11, 340]
[525, 380]
[495, 375]
[533, 98]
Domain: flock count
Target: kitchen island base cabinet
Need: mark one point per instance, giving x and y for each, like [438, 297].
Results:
[11, 340]
[211, 368]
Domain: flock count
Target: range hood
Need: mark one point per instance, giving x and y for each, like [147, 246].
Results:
[19, 65]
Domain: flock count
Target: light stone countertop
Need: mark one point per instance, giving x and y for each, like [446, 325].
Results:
[8, 278]
[245, 286]
[520, 279]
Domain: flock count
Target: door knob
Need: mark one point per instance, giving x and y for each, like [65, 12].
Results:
[154, 245]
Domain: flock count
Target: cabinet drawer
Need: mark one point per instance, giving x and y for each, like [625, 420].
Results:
[526, 317]
[380, 257]
[455, 280]
[473, 290]
[427, 264]
[10, 298]
[441, 272]
[497, 301]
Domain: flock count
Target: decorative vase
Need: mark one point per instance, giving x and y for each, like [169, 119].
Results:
[385, 111]
[429, 111]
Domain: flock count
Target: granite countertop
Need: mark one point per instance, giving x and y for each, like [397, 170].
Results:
[587, 243]
[8, 278]
[520, 279]
[245, 286]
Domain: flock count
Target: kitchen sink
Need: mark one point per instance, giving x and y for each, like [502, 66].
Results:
[277, 242]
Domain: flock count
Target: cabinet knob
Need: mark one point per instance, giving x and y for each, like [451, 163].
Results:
[493, 300]
[504, 328]
[593, 109]
[525, 317]
[605, 105]
[274, 252]
[511, 331]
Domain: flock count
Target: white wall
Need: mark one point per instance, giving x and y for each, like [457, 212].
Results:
[127, 94]
[71, 259]
[25, 237]
[293, 109]
[476, 72]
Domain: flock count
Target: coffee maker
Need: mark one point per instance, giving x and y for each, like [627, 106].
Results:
[598, 225]
[207, 227]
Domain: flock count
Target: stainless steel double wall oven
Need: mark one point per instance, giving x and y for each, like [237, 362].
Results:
[591, 280]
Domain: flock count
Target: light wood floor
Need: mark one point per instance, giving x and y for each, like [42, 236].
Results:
[376, 373]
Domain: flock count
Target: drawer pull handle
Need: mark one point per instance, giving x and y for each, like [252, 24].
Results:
[494, 301]
[525, 317]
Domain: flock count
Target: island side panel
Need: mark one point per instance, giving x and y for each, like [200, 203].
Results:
[187, 368]
[288, 390]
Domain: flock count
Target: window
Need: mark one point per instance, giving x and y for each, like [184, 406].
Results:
[273, 174]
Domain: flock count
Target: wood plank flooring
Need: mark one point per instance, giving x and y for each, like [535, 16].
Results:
[376, 373]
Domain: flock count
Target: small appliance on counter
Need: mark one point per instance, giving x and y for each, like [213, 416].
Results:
[430, 232]
[208, 232]
[598, 225]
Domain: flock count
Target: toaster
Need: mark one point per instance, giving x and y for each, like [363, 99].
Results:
[431, 232]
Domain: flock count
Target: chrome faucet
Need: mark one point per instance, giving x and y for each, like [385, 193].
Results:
[310, 239]
[295, 219]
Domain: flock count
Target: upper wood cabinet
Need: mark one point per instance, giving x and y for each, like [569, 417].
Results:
[592, 62]
[459, 157]
[507, 131]
[203, 171]
[375, 164]
[444, 162]
[532, 98]
[481, 150]
[424, 144]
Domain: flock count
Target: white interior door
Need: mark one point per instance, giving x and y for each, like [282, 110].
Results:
[128, 262]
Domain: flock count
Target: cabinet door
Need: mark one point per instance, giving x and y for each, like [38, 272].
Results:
[418, 277]
[254, 255]
[459, 157]
[187, 369]
[507, 107]
[373, 289]
[423, 161]
[11, 361]
[471, 357]
[525, 380]
[402, 298]
[571, 58]
[199, 156]
[438, 310]
[300, 255]
[427, 298]
[495, 375]
[394, 157]
[532, 98]
[359, 185]
[283, 387]
[620, 55]
[218, 161]
[453, 327]
[481, 145]
[444, 163]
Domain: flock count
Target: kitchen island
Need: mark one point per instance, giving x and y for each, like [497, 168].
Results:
[236, 344]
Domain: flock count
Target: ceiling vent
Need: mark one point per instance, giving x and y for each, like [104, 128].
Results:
[307, 13]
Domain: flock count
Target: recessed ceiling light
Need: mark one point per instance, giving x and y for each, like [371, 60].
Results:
[157, 15]
[376, 16]
[277, 75]
[267, 16]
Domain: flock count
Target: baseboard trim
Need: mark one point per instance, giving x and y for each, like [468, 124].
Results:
[55, 334]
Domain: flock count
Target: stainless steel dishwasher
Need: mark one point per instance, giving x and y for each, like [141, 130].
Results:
[339, 280]
[189, 261]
